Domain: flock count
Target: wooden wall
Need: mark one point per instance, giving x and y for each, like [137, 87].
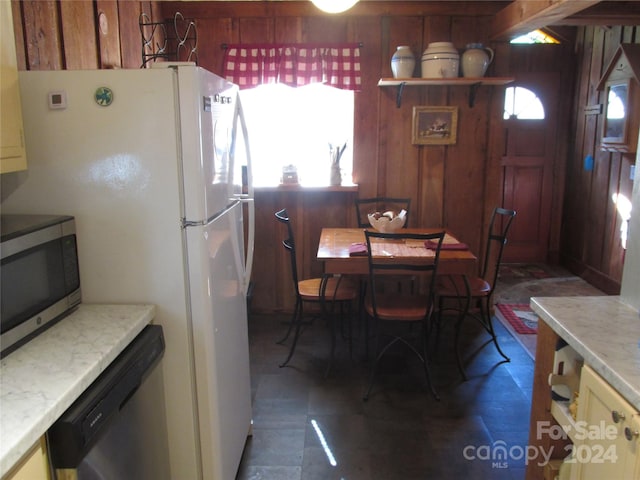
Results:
[451, 186]
[52, 35]
[591, 244]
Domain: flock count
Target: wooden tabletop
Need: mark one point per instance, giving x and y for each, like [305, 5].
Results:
[333, 251]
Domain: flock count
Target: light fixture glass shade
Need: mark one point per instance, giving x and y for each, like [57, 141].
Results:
[334, 6]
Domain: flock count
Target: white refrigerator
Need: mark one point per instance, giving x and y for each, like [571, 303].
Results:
[150, 164]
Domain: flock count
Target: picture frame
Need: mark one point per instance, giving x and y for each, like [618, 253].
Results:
[434, 125]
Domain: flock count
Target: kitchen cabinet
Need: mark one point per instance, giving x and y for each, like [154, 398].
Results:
[33, 466]
[472, 83]
[12, 150]
[597, 436]
[608, 446]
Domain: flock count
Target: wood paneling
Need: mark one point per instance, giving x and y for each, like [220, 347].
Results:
[79, 28]
[591, 228]
[455, 186]
[108, 33]
[41, 24]
[130, 37]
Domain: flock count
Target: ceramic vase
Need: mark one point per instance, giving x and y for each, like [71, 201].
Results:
[403, 62]
[440, 60]
[475, 60]
[335, 176]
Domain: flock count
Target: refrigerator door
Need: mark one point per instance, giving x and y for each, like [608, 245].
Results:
[221, 344]
[243, 184]
[206, 123]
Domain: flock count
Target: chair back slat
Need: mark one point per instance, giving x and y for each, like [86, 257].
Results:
[289, 244]
[380, 267]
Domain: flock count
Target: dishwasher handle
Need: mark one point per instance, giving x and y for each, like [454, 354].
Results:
[111, 403]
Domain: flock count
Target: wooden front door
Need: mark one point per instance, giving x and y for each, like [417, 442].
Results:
[527, 166]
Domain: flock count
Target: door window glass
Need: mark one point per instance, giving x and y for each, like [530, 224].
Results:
[523, 104]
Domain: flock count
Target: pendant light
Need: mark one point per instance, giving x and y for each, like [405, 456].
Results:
[334, 6]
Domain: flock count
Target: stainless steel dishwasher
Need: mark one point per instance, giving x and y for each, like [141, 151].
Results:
[116, 429]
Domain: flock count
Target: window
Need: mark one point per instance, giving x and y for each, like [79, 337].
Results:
[295, 126]
[536, 36]
[523, 104]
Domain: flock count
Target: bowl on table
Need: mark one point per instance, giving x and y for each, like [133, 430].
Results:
[387, 222]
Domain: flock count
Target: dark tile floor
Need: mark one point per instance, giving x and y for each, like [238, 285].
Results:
[310, 427]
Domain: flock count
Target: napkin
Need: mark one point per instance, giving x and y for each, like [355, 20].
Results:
[430, 244]
[357, 249]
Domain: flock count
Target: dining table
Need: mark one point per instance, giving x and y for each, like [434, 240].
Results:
[343, 251]
[336, 251]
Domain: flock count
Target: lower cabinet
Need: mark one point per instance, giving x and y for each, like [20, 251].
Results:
[606, 444]
[601, 442]
[33, 466]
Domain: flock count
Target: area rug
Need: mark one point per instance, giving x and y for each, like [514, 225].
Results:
[517, 283]
[526, 340]
[520, 317]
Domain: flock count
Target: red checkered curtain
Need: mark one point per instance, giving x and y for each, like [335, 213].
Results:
[294, 65]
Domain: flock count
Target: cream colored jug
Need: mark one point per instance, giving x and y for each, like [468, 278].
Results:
[440, 60]
[475, 60]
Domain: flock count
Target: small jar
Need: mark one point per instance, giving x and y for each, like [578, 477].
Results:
[403, 62]
[440, 60]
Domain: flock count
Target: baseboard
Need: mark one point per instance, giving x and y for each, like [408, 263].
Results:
[598, 279]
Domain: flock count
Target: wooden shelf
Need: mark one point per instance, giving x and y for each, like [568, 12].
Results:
[560, 411]
[472, 83]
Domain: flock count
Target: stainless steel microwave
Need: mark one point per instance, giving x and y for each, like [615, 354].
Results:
[39, 275]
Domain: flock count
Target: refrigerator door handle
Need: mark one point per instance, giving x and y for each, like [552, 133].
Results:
[251, 235]
[248, 197]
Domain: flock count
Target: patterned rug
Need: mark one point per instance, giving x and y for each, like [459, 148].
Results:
[517, 283]
[520, 317]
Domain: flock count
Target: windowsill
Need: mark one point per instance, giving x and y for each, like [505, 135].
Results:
[301, 187]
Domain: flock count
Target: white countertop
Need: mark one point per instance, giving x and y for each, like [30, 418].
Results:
[41, 379]
[604, 331]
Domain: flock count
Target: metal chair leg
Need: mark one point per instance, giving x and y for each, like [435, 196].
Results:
[332, 321]
[457, 347]
[291, 322]
[298, 322]
[486, 314]
[425, 361]
[375, 367]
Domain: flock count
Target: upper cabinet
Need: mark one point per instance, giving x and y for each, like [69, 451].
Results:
[621, 112]
[12, 151]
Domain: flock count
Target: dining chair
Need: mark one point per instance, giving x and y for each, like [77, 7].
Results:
[396, 314]
[365, 206]
[472, 296]
[326, 292]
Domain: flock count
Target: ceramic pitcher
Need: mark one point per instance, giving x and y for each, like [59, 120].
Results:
[475, 60]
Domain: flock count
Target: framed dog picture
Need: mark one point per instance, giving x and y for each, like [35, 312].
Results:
[434, 125]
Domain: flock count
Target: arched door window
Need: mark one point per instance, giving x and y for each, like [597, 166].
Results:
[523, 104]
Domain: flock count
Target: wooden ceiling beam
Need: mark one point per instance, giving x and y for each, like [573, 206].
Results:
[606, 13]
[523, 16]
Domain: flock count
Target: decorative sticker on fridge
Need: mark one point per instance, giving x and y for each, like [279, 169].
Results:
[103, 96]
